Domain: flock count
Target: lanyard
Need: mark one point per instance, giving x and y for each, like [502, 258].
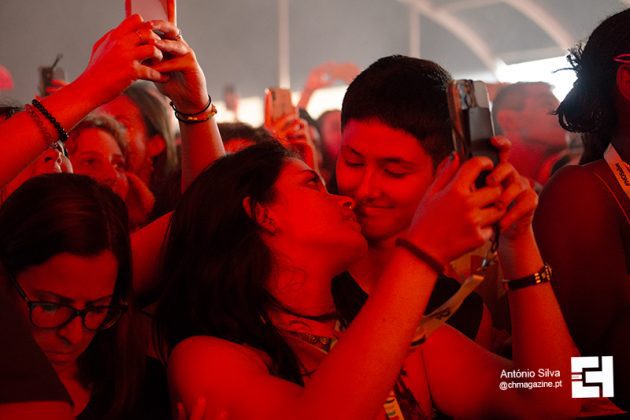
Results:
[619, 168]
[439, 316]
[325, 344]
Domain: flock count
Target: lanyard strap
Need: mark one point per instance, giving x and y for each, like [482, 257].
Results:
[619, 168]
[325, 345]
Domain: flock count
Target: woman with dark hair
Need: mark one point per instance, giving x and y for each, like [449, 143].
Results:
[65, 252]
[249, 318]
[583, 221]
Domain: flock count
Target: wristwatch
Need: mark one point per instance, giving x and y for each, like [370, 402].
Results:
[541, 276]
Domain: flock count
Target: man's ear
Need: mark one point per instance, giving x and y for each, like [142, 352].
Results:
[508, 120]
[623, 81]
[155, 145]
[260, 215]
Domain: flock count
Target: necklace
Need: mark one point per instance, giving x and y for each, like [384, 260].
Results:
[321, 342]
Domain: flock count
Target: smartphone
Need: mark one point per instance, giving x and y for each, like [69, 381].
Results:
[279, 103]
[49, 73]
[469, 109]
[152, 9]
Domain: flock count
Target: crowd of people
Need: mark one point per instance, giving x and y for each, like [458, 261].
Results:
[155, 264]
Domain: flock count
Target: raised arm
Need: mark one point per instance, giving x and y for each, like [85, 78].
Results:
[185, 85]
[540, 337]
[116, 61]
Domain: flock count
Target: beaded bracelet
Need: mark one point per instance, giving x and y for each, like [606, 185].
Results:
[420, 254]
[63, 135]
[48, 138]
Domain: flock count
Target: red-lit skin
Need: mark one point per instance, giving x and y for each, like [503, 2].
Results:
[236, 145]
[310, 226]
[126, 112]
[97, 155]
[534, 131]
[331, 134]
[583, 232]
[386, 171]
[311, 238]
[51, 161]
[80, 282]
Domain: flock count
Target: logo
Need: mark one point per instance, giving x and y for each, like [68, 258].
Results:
[592, 377]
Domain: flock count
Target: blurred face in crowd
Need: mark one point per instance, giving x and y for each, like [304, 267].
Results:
[126, 112]
[96, 153]
[307, 219]
[331, 133]
[81, 282]
[51, 161]
[536, 123]
[386, 171]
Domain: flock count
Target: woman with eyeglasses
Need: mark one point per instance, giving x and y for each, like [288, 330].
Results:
[583, 222]
[65, 253]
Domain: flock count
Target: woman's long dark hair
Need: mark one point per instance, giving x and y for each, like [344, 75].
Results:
[216, 265]
[56, 213]
[589, 107]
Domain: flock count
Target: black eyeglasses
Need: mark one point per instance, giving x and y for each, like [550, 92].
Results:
[54, 315]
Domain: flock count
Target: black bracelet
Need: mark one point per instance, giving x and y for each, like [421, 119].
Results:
[420, 254]
[542, 276]
[63, 135]
[40, 124]
[196, 113]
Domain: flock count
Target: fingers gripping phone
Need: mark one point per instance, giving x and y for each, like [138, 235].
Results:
[152, 9]
[49, 73]
[278, 104]
[469, 109]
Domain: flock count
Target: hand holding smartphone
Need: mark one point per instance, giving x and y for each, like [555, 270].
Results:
[49, 73]
[278, 105]
[469, 109]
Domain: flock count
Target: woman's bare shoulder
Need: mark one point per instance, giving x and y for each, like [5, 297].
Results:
[216, 353]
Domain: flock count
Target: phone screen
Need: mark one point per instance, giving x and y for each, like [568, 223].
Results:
[152, 9]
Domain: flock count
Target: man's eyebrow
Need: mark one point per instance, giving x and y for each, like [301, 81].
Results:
[385, 160]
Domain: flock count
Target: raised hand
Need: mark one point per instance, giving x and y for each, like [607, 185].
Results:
[454, 217]
[120, 57]
[293, 132]
[183, 79]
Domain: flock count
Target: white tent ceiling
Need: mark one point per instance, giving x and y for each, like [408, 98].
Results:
[238, 42]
